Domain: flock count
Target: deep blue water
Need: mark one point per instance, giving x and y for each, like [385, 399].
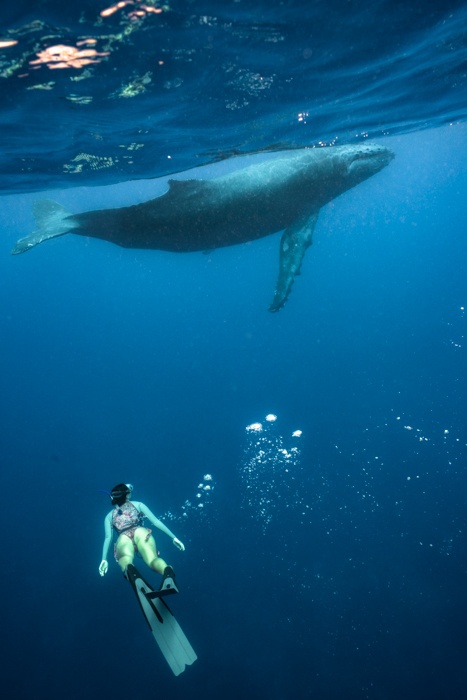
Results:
[331, 565]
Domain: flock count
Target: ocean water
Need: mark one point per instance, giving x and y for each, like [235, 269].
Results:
[328, 559]
[98, 93]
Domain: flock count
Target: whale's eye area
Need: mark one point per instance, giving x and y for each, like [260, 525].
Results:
[369, 160]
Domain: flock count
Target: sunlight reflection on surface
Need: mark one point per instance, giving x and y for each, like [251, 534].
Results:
[63, 56]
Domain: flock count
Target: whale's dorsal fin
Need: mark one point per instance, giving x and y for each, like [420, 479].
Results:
[294, 243]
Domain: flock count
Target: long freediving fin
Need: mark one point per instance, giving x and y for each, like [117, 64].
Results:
[168, 586]
[294, 243]
[168, 634]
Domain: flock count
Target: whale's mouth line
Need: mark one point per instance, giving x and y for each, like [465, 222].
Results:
[371, 159]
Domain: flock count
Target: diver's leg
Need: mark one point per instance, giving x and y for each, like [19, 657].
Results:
[125, 552]
[147, 549]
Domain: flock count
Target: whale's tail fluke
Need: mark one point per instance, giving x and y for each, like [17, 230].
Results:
[52, 220]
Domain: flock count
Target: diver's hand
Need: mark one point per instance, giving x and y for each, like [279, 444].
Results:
[178, 544]
[103, 567]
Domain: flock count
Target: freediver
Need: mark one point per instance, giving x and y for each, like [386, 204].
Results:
[126, 517]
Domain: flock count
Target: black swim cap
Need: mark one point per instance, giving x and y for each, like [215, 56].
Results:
[118, 494]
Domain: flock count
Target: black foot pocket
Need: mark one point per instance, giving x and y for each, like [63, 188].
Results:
[168, 582]
[168, 585]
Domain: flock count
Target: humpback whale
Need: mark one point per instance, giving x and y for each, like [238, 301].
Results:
[280, 194]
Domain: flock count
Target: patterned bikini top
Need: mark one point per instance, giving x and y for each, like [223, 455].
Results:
[126, 516]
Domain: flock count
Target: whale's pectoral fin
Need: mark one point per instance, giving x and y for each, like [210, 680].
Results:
[294, 243]
[52, 220]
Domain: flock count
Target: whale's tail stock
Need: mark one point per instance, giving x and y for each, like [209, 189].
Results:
[52, 220]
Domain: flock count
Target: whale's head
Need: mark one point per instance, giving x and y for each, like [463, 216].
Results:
[361, 161]
[343, 167]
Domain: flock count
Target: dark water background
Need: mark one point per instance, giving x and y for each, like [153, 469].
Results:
[342, 572]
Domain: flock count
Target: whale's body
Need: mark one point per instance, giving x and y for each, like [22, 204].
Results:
[284, 193]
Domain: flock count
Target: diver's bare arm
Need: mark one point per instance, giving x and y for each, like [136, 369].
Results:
[155, 521]
[108, 536]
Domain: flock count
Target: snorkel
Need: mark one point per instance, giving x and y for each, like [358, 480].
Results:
[120, 492]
